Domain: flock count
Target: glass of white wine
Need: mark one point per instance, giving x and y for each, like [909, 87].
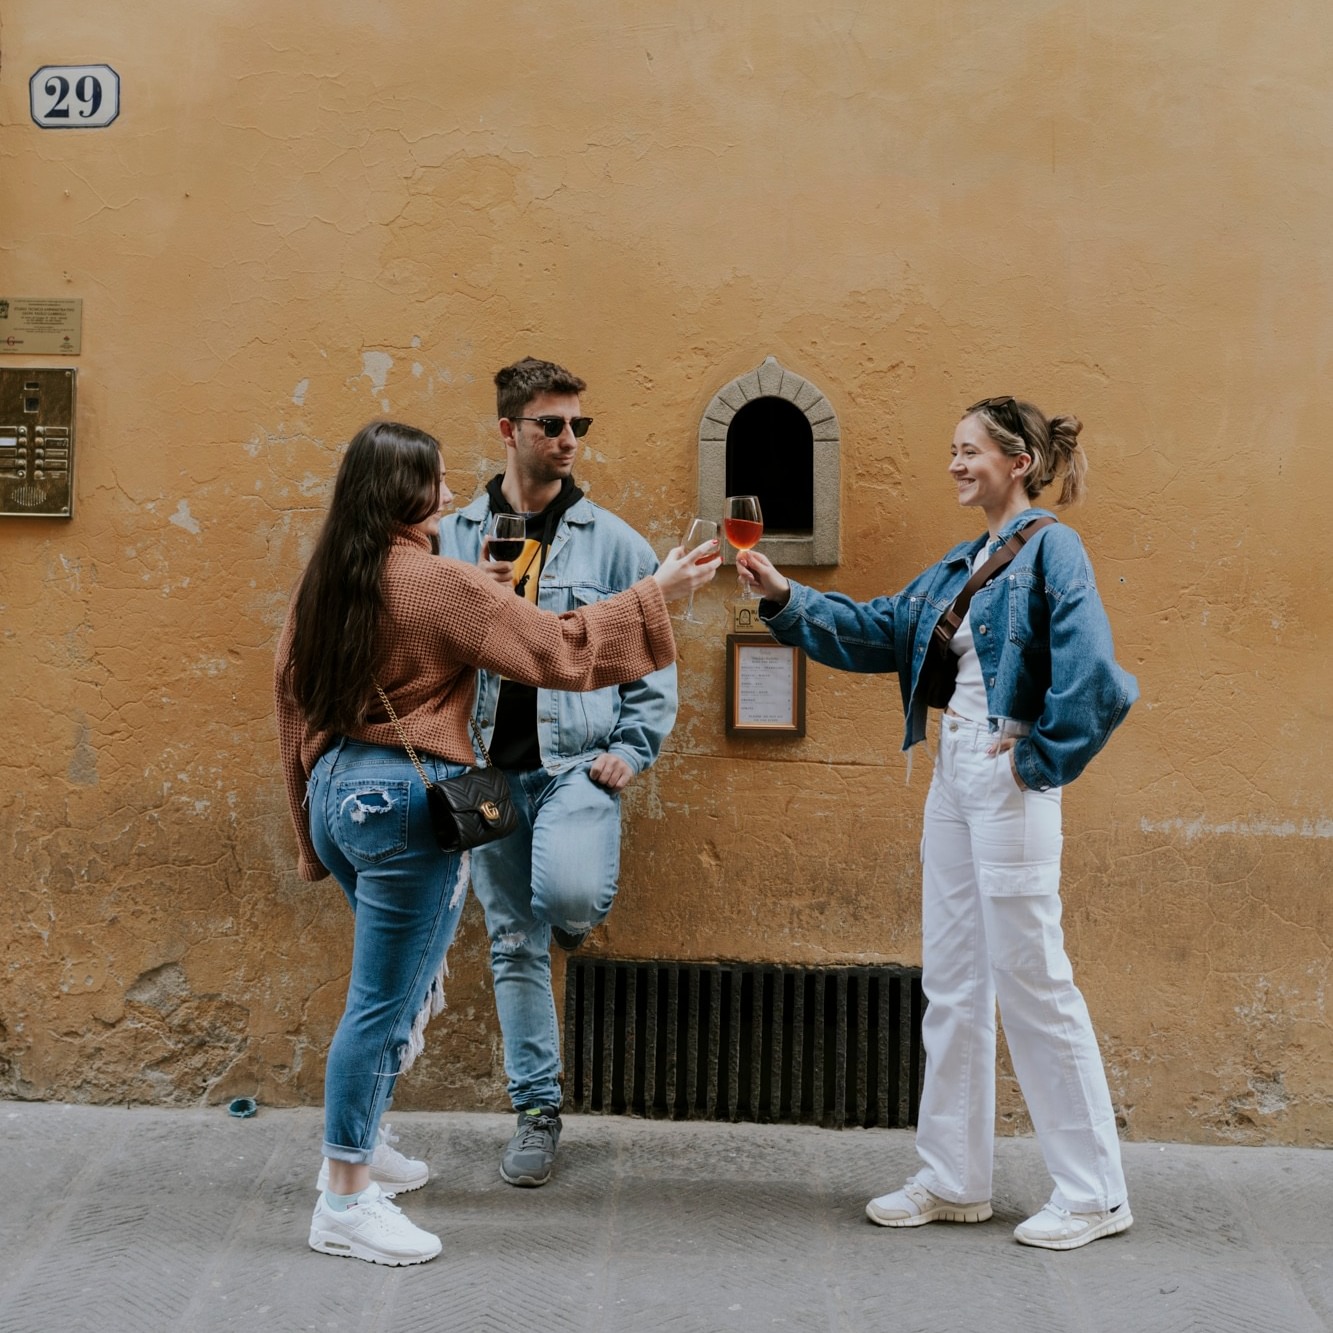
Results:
[700, 530]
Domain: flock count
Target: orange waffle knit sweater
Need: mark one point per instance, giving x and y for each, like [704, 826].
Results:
[442, 621]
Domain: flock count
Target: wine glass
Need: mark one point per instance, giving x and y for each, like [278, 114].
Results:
[700, 530]
[744, 524]
[506, 536]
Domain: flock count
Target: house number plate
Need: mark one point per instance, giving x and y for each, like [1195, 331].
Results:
[74, 97]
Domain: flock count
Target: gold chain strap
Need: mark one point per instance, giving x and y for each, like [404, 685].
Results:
[407, 745]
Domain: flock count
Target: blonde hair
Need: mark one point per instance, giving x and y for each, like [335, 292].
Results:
[1052, 443]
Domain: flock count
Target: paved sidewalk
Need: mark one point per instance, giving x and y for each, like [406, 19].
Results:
[161, 1220]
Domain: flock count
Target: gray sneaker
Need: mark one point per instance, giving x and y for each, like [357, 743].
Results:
[530, 1154]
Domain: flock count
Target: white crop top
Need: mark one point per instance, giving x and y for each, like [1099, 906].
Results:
[969, 691]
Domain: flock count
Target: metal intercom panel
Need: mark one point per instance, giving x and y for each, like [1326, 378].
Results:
[36, 443]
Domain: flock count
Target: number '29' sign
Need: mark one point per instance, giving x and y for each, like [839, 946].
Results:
[74, 97]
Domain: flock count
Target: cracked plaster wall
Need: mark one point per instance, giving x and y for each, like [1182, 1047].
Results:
[306, 218]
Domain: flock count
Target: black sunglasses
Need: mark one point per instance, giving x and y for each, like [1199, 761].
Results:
[1012, 420]
[552, 427]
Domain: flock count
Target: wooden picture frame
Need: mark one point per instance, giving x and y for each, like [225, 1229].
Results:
[765, 687]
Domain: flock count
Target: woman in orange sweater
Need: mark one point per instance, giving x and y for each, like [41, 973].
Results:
[376, 606]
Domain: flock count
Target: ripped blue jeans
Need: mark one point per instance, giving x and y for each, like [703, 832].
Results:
[558, 868]
[370, 825]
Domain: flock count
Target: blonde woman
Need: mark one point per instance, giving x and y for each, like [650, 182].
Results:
[1037, 694]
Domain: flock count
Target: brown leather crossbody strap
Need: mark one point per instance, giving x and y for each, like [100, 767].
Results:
[948, 623]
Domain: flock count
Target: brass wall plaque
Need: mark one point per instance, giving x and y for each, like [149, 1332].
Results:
[36, 442]
[41, 326]
[745, 618]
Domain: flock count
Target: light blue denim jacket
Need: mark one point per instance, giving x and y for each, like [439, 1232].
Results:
[1041, 635]
[593, 555]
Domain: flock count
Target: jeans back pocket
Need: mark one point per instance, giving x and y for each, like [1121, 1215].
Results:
[369, 818]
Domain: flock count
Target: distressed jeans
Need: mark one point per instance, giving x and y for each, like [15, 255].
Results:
[370, 825]
[991, 929]
[558, 868]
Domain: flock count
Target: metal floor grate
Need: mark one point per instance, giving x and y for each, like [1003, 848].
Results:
[825, 1046]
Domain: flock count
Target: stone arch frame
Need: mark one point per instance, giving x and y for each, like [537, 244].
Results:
[771, 379]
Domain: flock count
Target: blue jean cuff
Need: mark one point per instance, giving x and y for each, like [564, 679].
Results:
[354, 1156]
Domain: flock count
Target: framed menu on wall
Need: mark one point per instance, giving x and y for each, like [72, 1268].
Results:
[765, 687]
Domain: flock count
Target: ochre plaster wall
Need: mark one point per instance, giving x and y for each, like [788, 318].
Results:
[309, 216]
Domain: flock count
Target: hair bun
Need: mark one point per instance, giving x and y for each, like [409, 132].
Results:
[1065, 431]
[1068, 460]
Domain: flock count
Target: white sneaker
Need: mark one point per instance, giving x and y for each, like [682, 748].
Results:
[373, 1228]
[914, 1205]
[1054, 1228]
[389, 1169]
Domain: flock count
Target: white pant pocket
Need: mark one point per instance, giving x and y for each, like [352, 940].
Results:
[1021, 902]
[1020, 879]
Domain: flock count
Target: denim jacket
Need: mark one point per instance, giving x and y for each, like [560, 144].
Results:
[1041, 635]
[593, 555]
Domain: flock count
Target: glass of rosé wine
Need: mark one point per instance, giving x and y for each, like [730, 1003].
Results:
[743, 522]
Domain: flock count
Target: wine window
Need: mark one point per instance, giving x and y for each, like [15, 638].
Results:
[771, 454]
[773, 434]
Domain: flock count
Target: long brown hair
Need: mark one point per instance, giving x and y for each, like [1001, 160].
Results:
[389, 477]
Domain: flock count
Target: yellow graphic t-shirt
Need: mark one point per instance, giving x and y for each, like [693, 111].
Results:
[514, 744]
[528, 570]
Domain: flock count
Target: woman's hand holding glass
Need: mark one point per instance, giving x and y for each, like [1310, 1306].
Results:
[701, 531]
[683, 572]
[757, 571]
[502, 545]
[743, 521]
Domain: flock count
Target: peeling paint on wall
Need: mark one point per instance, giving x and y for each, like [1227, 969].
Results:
[83, 758]
[182, 518]
[1194, 829]
[375, 366]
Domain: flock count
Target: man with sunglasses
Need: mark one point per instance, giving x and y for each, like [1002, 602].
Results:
[567, 756]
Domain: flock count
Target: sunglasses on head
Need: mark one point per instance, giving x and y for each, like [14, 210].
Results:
[552, 427]
[1004, 410]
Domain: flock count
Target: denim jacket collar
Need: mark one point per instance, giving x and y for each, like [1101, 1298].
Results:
[965, 552]
[478, 511]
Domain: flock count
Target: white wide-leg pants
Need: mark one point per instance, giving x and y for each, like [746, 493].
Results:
[991, 930]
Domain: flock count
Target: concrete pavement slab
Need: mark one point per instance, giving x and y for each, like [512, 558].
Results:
[152, 1221]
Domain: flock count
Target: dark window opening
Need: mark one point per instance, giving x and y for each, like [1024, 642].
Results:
[771, 454]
